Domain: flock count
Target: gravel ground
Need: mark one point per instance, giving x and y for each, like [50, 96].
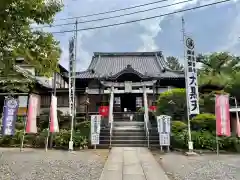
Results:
[204, 167]
[38, 164]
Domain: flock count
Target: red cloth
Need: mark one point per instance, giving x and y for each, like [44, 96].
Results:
[153, 108]
[104, 110]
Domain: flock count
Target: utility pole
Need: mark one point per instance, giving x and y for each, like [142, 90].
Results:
[190, 145]
[72, 82]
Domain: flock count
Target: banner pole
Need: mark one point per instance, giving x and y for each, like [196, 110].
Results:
[25, 124]
[48, 130]
[217, 143]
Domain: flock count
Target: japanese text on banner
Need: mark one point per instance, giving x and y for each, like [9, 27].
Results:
[9, 116]
[191, 75]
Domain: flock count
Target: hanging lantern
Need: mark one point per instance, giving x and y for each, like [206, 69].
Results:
[103, 111]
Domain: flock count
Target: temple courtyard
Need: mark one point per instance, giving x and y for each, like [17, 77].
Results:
[120, 163]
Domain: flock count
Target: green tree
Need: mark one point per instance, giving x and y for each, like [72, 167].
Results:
[217, 68]
[173, 103]
[174, 64]
[218, 63]
[19, 39]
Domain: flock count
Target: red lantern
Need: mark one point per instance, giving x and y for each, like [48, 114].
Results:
[153, 108]
[104, 110]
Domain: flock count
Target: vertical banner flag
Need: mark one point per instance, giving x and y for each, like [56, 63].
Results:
[95, 129]
[53, 115]
[33, 107]
[191, 78]
[164, 129]
[9, 116]
[71, 76]
[222, 115]
[238, 127]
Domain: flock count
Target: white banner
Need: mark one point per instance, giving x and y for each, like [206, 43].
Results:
[191, 75]
[95, 129]
[164, 129]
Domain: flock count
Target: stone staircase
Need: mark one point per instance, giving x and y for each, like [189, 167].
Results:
[124, 134]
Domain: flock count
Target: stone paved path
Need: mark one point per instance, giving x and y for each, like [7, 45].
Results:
[132, 163]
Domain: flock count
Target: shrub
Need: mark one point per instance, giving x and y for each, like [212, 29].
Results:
[60, 140]
[173, 103]
[207, 103]
[178, 126]
[206, 122]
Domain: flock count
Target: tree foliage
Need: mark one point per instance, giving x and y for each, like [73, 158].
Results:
[173, 103]
[222, 70]
[174, 64]
[19, 39]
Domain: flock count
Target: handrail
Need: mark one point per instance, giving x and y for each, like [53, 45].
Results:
[146, 117]
[110, 115]
[146, 130]
[111, 127]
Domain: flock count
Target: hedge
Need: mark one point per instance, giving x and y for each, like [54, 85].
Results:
[60, 139]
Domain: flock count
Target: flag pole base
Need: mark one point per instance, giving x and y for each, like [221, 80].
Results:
[190, 146]
[70, 146]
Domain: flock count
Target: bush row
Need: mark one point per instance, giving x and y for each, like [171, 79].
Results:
[204, 140]
[60, 139]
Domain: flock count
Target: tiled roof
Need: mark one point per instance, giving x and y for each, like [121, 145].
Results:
[32, 77]
[151, 64]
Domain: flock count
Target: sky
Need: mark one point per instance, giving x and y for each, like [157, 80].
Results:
[214, 29]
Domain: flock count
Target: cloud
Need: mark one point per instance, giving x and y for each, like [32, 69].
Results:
[156, 34]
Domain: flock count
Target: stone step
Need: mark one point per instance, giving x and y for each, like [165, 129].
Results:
[124, 138]
[129, 133]
[126, 128]
[128, 123]
[123, 141]
[129, 145]
[129, 138]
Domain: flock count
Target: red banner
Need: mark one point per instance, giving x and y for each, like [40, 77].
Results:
[222, 115]
[104, 110]
[33, 108]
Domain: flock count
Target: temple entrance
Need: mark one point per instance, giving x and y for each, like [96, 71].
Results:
[128, 102]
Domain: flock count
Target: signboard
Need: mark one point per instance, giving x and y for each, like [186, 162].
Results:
[95, 129]
[33, 108]
[128, 86]
[117, 100]
[9, 116]
[222, 115]
[22, 108]
[191, 78]
[164, 130]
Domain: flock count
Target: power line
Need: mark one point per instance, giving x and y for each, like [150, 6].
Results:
[143, 19]
[111, 17]
[112, 11]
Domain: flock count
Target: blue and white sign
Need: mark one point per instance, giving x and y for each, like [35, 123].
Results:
[9, 116]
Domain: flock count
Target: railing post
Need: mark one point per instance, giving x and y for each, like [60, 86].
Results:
[146, 117]
[110, 115]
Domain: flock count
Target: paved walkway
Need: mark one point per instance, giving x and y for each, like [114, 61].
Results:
[132, 163]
